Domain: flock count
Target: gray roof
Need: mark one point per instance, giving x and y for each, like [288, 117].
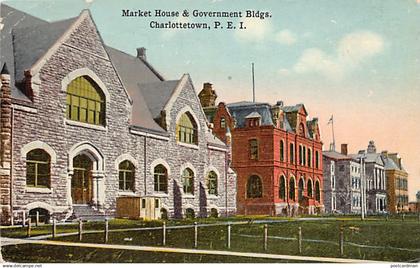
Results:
[13, 19]
[157, 95]
[294, 108]
[336, 155]
[241, 110]
[390, 164]
[31, 43]
[132, 70]
[370, 158]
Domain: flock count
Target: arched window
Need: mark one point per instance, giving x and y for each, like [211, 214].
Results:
[38, 168]
[304, 155]
[309, 157]
[161, 178]
[282, 188]
[85, 101]
[281, 150]
[292, 153]
[222, 122]
[301, 130]
[253, 149]
[212, 183]
[301, 189]
[292, 189]
[309, 187]
[300, 155]
[188, 181]
[126, 176]
[317, 192]
[254, 187]
[316, 159]
[186, 129]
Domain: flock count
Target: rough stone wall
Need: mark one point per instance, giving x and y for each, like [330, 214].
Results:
[328, 190]
[47, 123]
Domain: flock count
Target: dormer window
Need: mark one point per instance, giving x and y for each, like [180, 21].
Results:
[253, 119]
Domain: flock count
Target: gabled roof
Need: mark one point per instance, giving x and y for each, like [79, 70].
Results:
[336, 155]
[253, 115]
[13, 19]
[370, 158]
[294, 109]
[31, 43]
[157, 94]
[241, 110]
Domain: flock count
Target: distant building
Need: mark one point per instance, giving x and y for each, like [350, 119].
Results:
[418, 196]
[397, 182]
[342, 182]
[276, 152]
[375, 179]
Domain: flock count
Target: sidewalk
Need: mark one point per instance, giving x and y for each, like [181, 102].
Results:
[13, 241]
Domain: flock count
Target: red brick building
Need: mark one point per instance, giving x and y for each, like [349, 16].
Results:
[276, 152]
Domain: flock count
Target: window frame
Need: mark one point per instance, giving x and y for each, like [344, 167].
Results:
[128, 185]
[158, 177]
[253, 148]
[36, 163]
[254, 187]
[212, 183]
[188, 181]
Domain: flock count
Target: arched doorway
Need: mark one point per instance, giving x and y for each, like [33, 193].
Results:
[81, 181]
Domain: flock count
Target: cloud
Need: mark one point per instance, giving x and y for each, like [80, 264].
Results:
[370, 93]
[284, 72]
[89, 1]
[286, 37]
[351, 51]
[256, 30]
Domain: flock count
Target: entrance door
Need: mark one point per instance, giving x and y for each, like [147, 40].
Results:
[81, 182]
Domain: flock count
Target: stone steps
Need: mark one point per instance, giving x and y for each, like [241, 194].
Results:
[86, 213]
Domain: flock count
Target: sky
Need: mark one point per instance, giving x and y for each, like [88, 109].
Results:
[357, 60]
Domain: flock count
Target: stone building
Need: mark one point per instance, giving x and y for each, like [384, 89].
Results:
[342, 182]
[396, 182]
[84, 125]
[374, 165]
[276, 153]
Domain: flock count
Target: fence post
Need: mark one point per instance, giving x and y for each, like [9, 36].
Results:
[80, 230]
[265, 236]
[300, 240]
[106, 231]
[195, 235]
[164, 234]
[54, 228]
[228, 235]
[37, 219]
[23, 218]
[341, 241]
[28, 233]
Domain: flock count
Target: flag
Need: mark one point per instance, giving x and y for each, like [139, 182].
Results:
[331, 120]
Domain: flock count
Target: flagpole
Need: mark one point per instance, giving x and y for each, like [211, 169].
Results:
[332, 128]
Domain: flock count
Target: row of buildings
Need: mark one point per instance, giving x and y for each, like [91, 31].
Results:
[90, 131]
[374, 181]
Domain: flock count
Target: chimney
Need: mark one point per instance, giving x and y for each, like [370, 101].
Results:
[385, 153]
[344, 149]
[141, 53]
[280, 103]
[371, 147]
[207, 95]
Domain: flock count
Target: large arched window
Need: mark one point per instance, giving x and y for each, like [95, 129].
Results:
[301, 187]
[38, 166]
[281, 150]
[85, 101]
[212, 183]
[126, 176]
[282, 188]
[160, 174]
[188, 181]
[254, 187]
[317, 191]
[309, 187]
[292, 189]
[186, 129]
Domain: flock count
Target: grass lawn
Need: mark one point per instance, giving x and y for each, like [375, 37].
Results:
[373, 232]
